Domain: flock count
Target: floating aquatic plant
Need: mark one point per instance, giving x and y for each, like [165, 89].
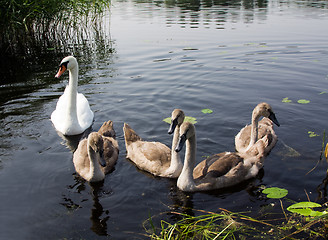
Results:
[190, 119]
[305, 209]
[312, 134]
[207, 110]
[187, 119]
[303, 101]
[286, 100]
[275, 192]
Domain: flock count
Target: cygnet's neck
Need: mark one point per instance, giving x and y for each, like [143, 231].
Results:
[95, 171]
[176, 162]
[186, 180]
[254, 130]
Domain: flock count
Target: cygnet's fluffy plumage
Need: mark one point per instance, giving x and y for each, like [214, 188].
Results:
[97, 155]
[155, 157]
[250, 134]
[218, 171]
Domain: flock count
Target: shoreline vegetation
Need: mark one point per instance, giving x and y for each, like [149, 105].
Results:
[301, 220]
[26, 24]
[33, 31]
[230, 225]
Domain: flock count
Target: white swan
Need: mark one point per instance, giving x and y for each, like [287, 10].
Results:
[97, 155]
[218, 171]
[155, 157]
[73, 114]
[249, 135]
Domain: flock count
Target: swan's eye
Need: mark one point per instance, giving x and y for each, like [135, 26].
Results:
[64, 64]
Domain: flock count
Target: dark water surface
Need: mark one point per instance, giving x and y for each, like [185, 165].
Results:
[226, 56]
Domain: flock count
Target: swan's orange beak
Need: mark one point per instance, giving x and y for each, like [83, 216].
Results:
[326, 151]
[61, 70]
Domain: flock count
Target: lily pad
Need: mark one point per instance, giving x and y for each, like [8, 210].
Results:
[286, 100]
[312, 134]
[167, 120]
[305, 209]
[187, 119]
[275, 192]
[190, 119]
[303, 101]
[207, 110]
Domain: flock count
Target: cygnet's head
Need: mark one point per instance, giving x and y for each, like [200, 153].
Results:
[187, 130]
[265, 110]
[96, 143]
[177, 118]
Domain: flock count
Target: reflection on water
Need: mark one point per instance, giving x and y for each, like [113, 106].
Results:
[72, 142]
[98, 216]
[209, 13]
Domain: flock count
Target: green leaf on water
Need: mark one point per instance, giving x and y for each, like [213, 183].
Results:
[190, 119]
[187, 119]
[305, 209]
[207, 110]
[286, 100]
[312, 134]
[322, 92]
[275, 192]
[303, 205]
[303, 101]
[167, 120]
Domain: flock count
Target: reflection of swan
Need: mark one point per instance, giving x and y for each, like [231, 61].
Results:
[71, 142]
[98, 216]
[97, 155]
[218, 171]
[73, 114]
[248, 135]
[155, 157]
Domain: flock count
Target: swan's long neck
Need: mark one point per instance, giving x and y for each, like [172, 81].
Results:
[95, 172]
[72, 89]
[186, 180]
[176, 162]
[254, 130]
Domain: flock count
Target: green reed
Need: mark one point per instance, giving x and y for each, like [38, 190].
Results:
[230, 225]
[25, 23]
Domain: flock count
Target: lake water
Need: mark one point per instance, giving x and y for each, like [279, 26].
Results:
[223, 55]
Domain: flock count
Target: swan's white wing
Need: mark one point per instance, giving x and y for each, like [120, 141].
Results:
[84, 113]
